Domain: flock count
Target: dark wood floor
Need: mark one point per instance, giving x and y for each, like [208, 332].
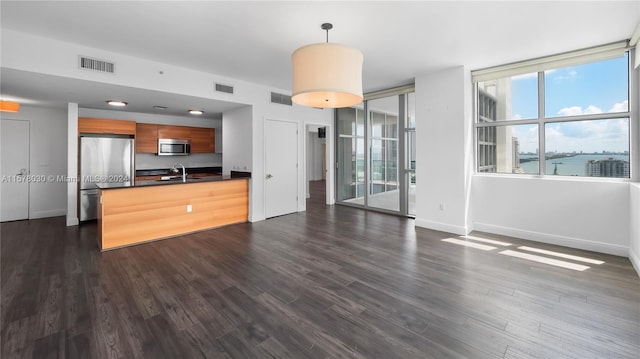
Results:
[332, 282]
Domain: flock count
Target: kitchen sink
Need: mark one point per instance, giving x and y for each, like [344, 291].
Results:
[177, 179]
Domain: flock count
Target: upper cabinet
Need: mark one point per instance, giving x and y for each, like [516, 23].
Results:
[203, 140]
[104, 126]
[147, 135]
[174, 132]
[146, 138]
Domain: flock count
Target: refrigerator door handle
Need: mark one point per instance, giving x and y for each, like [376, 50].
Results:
[89, 192]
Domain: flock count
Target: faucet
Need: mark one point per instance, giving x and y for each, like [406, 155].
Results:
[174, 169]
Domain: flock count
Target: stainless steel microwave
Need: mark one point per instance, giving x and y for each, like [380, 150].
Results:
[173, 147]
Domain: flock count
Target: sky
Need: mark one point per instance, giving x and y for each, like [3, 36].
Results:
[584, 89]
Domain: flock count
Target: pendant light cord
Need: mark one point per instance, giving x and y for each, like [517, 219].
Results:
[327, 26]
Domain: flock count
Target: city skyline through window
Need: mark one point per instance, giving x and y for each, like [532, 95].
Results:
[584, 121]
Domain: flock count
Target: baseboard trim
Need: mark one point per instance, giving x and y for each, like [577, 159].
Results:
[72, 221]
[49, 213]
[571, 242]
[444, 227]
[252, 219]
[635, 260]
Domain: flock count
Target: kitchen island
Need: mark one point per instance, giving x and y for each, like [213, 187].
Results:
[152, 210]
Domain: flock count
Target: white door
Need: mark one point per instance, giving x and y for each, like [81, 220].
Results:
[281, 168]
[14, 187]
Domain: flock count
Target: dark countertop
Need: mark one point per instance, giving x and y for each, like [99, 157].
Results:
[175, 181]
[190, 170]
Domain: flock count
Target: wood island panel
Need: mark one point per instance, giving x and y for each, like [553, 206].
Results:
[133, 215]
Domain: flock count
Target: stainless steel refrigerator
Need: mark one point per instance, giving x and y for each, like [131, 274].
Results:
[107, 161]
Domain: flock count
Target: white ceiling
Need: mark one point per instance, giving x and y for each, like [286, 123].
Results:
[253, 41]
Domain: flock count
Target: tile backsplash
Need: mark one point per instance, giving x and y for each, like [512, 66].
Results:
[145, 161]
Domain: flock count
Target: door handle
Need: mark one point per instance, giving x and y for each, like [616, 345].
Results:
[268, 176]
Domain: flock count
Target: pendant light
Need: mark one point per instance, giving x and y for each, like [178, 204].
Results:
[327, 75]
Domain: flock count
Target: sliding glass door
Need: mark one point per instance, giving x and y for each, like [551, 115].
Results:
[376, 154]
[383, 142]
[350, 155]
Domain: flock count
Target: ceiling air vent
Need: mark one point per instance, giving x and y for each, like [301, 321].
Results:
[88, 63]
[224, 88]
[281, 98]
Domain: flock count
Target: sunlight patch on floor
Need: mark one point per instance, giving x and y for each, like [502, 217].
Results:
[485, 240]
[545, 260]
[562, 255]
[484, 247]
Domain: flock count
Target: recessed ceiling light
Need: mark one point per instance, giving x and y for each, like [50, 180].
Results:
[196, 112]
[117, 103]
[158, 107]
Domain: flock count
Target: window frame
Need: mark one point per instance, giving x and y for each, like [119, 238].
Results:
[631, 114]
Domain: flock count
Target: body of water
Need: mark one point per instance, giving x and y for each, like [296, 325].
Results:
[567, 166]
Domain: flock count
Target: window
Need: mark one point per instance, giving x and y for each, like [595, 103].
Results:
[577, 116]
[376, 153]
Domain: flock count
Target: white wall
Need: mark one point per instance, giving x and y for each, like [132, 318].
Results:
[237, 147]
[444, 150]
[634, 188]
[634, 231]
[47, 156]
[591, 215]
[22, 51]
[72, 164]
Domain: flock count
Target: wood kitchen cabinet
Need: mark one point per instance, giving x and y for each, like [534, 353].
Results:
[147, 135]
[203, 140]
[174, 132]
[106, 126]
[146, 138]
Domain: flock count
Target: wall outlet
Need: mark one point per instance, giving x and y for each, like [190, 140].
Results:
[189, 208]
[442, 206]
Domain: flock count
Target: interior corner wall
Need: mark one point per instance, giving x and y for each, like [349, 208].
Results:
[634, 231]
[72, 164]
[237, 125]
[443, 127]
[634, 188]
[47, 159]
